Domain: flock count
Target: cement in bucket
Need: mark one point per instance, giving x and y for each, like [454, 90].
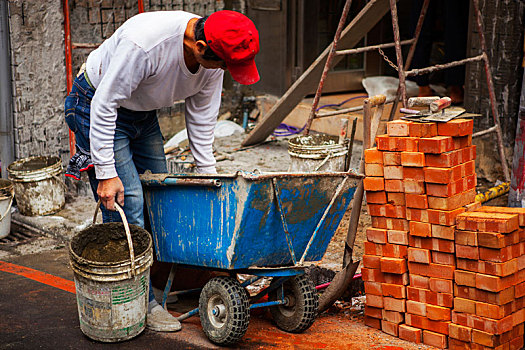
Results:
[317, 153]
[112, 283]
[38, 189]
[6, 199]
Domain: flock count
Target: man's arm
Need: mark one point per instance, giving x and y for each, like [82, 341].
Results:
[201, 114]
[127, 69]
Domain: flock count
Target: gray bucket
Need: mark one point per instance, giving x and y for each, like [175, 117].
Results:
[112, 296]
[6, 199]
[317, 153]
[38, 188]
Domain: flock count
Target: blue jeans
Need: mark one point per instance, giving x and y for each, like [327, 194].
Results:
[138, 147]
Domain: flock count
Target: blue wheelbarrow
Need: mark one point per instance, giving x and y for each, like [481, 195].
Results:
[256, 224]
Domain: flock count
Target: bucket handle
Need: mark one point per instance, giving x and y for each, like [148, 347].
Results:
[8, 208]
[126, 228]
[324, 161]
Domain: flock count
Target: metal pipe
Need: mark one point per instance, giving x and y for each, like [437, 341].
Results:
[492, 94]
[188, 314]
[420, 71]
[141, 6]
[399, 54]
[485, 132]
[327, 66]
[268, 303]
[69, 65]
[371, 48]
[7, 153]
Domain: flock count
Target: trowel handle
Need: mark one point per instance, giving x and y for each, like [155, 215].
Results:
[440, 104]
[421, 101]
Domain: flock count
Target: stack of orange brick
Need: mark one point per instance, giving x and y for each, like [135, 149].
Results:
[489, 280]
[425, 179]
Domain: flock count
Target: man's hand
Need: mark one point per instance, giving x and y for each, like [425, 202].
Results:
[108, 189]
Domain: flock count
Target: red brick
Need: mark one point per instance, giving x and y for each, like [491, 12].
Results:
[376, 235]
[373, 322]
[374, 183]
[494, 283]
[394, 304]
[412, 159]
[462, 141]
[444, 232]
[448, 175]
[435, 244]
[436, 144]
[459, 332]
[375, 300]
[440, 285]
[494, 311]
[489, 267]
[444, 217]
[390, 328]
[374, 169]
[499, 298]
[420, 229]
[422, 129]
[435, 339]
[394, 186]
[393, 172]
[372, 275]
[432, 270]
[375, 288]
[424, 323]
[501, 255]
[414, 186]
[386, 250]
[506, 210]
[465, 278]
[373, 312]
[373, 156]
[415, 214]
[387, 210]
[393, 265]
[372, 261]
[416, 308]
[396, 198]
[452, 202]
[489, 325]
[392, 158]
[467, 252]
[392, 278]
[444, 258]
[418, 281]
[454, 344]
[393, 316]
[394, 291]
[452, 188]
[452, 158]
[520, 290]
[488, 222]
[411, 334]
[466, 237]
[376, 197]
[428, 297]
[397, 144]
[397, 237]
[498, 240]
[455, 127]
[419, 255]
[397, 128]
[413, 173]
[418, 201]
[389, 223]
[464, 305]
[473, 206]
[438, 313]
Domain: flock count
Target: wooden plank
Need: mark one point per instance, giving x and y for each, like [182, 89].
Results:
[367, 18]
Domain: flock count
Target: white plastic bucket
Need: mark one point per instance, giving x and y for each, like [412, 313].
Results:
[310, 153]
[112, 297]
[6, 199]
[38, 189]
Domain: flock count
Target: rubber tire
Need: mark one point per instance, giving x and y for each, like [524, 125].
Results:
[235, 299]
[301, 316]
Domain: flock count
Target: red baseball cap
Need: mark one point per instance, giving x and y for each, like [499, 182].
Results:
[234, 38]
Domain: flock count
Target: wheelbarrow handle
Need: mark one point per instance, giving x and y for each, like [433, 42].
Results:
[126, 228]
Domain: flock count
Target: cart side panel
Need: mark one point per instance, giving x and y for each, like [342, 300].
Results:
[193, 225]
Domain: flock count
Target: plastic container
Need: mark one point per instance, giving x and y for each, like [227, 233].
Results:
[312, 153]
[6, 200]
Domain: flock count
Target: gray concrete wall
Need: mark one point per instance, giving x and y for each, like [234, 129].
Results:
[37, 44]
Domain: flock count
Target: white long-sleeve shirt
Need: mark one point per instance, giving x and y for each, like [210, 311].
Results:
[141, 67]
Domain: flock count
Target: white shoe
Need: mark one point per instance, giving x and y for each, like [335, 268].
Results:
[160, 320]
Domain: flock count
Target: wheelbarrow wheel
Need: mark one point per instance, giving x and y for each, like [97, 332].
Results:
[300, 310]
[224, 310]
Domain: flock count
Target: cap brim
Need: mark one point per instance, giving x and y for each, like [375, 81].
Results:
[244, 73]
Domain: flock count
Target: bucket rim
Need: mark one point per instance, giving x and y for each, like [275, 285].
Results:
[7, 189]
[113, 264]
[34, 175]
